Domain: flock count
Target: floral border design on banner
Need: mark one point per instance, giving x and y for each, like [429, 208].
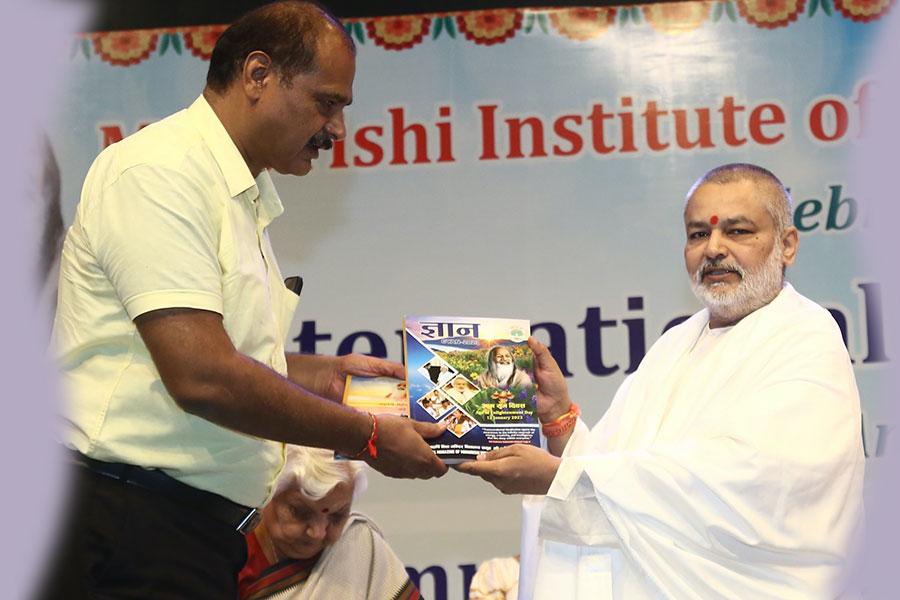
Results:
[398, 33]
[770, 14]
[124, 48]
[491, 27]
[581, 24]
[677, 17]
[201, 40]
[863, 11]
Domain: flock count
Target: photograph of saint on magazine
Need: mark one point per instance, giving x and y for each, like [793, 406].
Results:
[475, 375]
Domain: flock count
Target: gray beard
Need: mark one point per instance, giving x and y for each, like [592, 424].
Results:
[757, 288]
[503, 372]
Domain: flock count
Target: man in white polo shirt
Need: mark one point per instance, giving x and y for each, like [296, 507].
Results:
[172, 315]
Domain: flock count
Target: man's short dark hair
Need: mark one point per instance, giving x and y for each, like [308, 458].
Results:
[287, 31]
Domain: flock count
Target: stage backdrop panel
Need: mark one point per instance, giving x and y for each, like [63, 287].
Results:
[533, 164]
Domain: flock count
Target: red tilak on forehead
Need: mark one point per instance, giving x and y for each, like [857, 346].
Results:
[713, 219]
[324, 511]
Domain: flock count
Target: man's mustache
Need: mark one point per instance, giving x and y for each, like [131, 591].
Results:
[322, 140]
[717, 265]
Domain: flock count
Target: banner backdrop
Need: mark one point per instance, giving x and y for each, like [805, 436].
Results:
[533, 164]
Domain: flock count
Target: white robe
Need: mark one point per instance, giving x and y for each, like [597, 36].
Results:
[735, 476]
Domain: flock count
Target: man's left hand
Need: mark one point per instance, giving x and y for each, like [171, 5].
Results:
[356, 364]
[327, 375]
[515, 469]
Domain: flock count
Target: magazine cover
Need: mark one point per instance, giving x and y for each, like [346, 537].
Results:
[475, 375]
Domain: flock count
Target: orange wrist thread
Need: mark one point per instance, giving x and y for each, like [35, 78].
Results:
[562, 424]
[370, 448]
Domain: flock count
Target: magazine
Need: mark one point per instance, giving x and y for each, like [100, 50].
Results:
[377, 395]
[476, 376]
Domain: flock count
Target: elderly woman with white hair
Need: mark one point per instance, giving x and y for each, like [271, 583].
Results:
[310, 545]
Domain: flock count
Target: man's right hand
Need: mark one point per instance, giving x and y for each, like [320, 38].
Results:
[402, 450]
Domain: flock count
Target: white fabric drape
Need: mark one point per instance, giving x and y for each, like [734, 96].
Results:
[736, 475]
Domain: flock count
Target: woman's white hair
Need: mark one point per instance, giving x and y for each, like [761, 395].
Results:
[315, 472]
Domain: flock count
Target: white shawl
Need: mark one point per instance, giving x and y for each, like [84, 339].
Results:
[748, 486]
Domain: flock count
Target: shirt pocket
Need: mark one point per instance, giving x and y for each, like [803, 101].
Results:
[286, 309]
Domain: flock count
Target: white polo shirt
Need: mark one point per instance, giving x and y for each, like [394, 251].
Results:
[169, 217]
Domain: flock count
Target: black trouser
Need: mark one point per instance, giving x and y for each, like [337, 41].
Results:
[124, 541]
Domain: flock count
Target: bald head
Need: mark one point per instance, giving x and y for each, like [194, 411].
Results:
[289, 32]
[769, 189]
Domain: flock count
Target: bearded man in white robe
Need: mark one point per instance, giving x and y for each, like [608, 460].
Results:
[501, 371]
[730, 464]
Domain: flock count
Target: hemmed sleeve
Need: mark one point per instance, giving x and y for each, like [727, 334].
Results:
[156, 236]
[144, 303]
